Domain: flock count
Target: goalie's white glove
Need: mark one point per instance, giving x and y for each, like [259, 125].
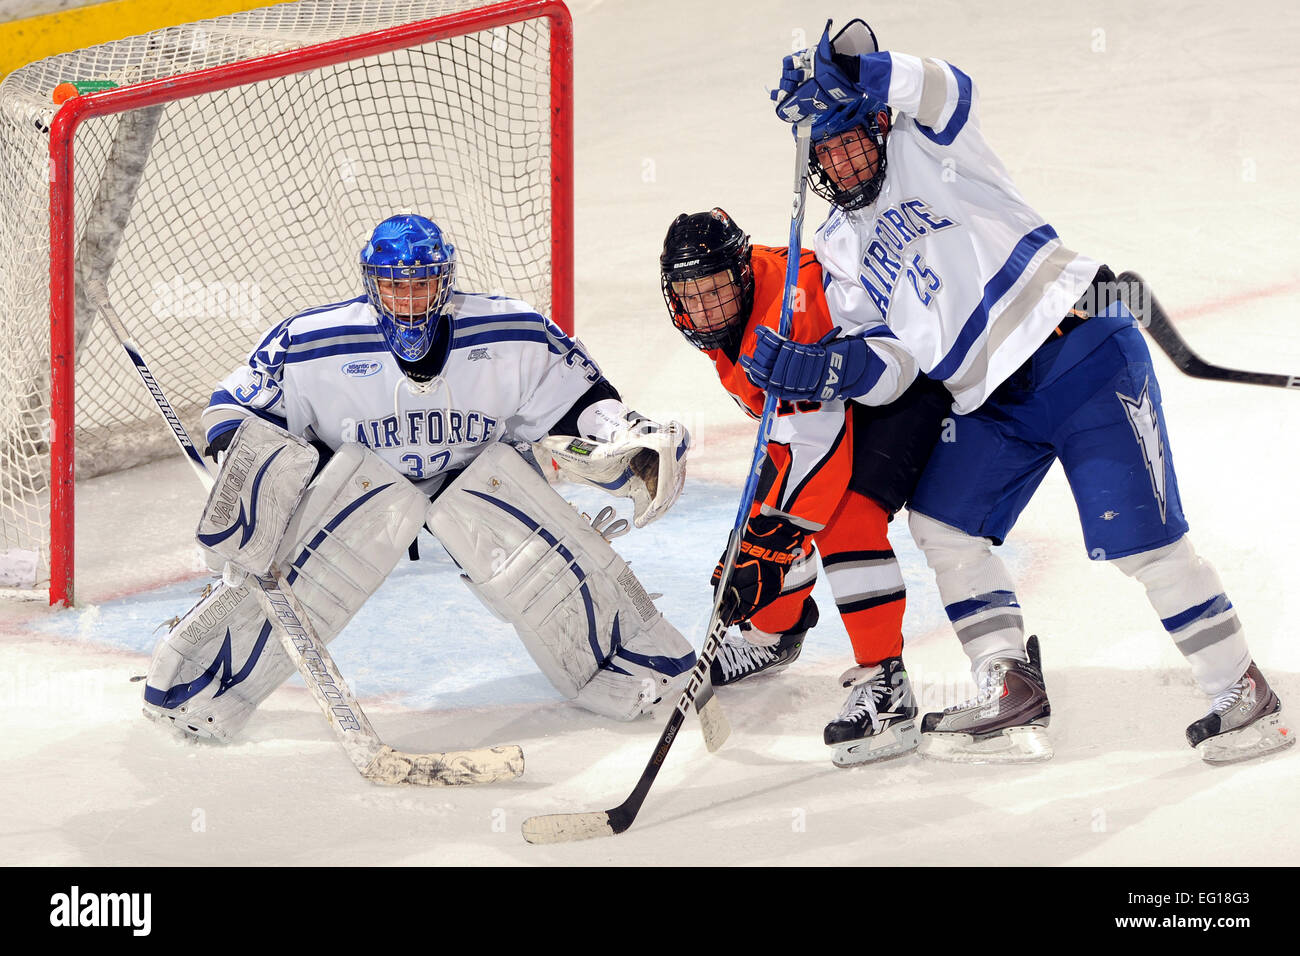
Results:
[642, 460]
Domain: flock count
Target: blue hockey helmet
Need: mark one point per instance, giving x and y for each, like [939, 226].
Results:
[846, 165]
[408, 267]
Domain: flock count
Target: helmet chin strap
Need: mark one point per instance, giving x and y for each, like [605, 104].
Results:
[419, 389]
[440, 341]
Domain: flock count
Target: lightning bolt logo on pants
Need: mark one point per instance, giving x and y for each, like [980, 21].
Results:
[1146, 428]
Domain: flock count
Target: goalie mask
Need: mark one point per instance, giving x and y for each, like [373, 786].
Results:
[707, 279]
[408, 268]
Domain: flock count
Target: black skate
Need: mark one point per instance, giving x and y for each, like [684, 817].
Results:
[740, 657]
[1245, 721]
[878, 721]
[1005, 723]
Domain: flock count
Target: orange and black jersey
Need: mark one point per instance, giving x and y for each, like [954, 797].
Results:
[810, 450]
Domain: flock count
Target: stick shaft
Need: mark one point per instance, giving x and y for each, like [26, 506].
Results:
[557, 827]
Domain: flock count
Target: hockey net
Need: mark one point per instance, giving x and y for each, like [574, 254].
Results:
[230, 180]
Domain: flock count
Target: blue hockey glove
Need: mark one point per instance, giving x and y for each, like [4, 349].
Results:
[833, 72]
[806, 101]
[798, 95]
[796, 70]
[844, 69]
[829, 369]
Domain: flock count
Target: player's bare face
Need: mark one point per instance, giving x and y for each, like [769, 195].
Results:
[712, 303]
[407, 297]
[850, 159]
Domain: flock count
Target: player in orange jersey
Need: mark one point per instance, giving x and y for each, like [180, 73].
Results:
[835, 474]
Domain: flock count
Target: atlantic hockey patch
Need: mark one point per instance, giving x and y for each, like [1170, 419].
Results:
[1142, 416]
[362, 368]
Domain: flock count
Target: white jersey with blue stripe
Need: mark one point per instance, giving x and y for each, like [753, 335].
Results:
[949, 267]
[328, 374]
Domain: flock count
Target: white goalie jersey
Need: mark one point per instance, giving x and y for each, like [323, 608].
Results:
[328, 374]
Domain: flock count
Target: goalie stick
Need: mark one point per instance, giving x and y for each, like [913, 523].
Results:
[375, 760]
[1142, 302]
[565, 827]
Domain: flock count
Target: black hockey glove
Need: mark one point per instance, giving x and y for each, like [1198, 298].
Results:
[218, 445]
[767, 549]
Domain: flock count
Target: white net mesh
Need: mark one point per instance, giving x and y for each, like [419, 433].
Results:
[252, 203]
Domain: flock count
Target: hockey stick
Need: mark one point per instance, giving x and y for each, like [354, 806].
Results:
[374, 759]
[1142, 302]
[564, 827]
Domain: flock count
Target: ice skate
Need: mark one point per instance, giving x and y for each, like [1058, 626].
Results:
[878, 721]
[1005, 723]
[1245, 721]
[754, 652]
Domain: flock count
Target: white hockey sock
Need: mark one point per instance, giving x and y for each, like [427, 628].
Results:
[976, 589]
[1186, 592]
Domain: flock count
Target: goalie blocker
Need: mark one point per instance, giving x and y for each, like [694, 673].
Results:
[352, 525]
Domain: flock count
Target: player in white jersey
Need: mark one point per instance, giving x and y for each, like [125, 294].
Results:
[455, 392]
[938, 266]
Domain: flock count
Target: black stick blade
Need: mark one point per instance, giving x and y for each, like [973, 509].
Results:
[1141, 301]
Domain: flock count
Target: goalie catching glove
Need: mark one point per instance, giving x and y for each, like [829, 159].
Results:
[641, 460]
[767, 549]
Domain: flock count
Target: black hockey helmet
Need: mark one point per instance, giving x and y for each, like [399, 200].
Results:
[698, 246]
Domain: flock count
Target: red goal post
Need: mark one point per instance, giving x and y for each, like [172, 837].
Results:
[506, 236]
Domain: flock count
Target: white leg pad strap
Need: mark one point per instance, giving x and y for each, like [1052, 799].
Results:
[576, 605]
[221, 659]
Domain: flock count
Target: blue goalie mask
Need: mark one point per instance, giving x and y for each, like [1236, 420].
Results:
[408, 267]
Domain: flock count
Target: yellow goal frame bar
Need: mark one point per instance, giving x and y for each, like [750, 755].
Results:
[34, 38]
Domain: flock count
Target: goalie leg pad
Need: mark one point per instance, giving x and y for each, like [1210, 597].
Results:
[356, 521]
[576, 605]
[262, 477]
[222, 658]
[217, 662]
[652, 666]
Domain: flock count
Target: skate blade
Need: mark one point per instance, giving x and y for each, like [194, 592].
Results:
[1265, 736]
[1013, 745]
[896, 741]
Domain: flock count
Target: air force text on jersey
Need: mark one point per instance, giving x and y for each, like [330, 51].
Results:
[885, 258]
[432, 426]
